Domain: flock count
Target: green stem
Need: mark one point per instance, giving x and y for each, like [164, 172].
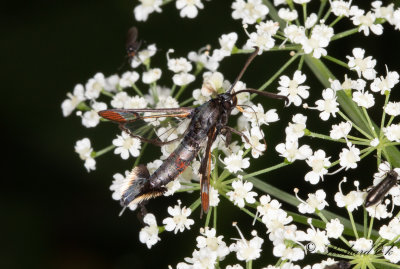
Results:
[344, 34]
[137, 90]
[215, 218]
[181, 90]
[304, 12]
[371, 128]
[352, 139]
[335, 21]
[208, 217]
[383, 117]
[352, 223]
[301, 62]
[106, 93]
[361, 130]
[173, 89]
[187, 101]
[336, 61]
[321, 8]
[102, 151]
[370, 227]
[325, 18]
[280, 71]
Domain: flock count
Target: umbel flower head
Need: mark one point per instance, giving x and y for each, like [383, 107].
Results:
[234, 158]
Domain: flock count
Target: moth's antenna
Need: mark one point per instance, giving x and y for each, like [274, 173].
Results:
[249, 60]
[266, 94]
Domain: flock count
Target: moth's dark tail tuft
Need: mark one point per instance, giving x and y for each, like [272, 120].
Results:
[137, 187]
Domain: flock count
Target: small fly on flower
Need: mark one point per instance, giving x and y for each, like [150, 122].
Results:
[207, 122]
[378, 192]
[132, 45]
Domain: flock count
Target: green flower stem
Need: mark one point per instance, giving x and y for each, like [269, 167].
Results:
[392, 144]
[355, 125]
[215, 218]
[181, 90]
[195, 204]
[83, 106]
[206, 224]
[389, 122]
[321, 8]
[336, 61]
[365, 222]
[215, 170]
[290, 4]
[321, 215]
[243, 208]
[189, 189]
[275, 48]
[273, 13]
[304, 12]
[382, 264]
[392, 241]
[266, 170]
[292, 200]
[371, 128]
[341, 256]
[166, 2]
[173, 89]
[354, 140]
[199, 68]
[383, 116]
[190, 184]
[327, 137]
[249, 264]
[335, 21]
[367, 152]
[370, 227]
[246, 152]
[304, 220]
[345, 33]
[358, 139]
[341, 250]
[136, 89]
[352, 223]
[106, 93]
[284, 48]
[154, 92]
[223, 176]
[263, 171]
[280, 36]
[187, 101]
[280, 71]
[325, 18]
[301, 62]
[96, 154]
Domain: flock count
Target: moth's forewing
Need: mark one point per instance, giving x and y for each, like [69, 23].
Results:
[156, 126]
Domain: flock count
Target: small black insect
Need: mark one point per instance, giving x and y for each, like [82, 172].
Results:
[339, 265]
[378, 192]
[132, 46]
[207, 122]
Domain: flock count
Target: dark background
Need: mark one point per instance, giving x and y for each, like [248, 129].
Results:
[56, 215]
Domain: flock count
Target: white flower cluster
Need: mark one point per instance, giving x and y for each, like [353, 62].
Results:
[211, 249]
[309, 34]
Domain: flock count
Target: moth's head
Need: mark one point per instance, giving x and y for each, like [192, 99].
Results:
[227, 100]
